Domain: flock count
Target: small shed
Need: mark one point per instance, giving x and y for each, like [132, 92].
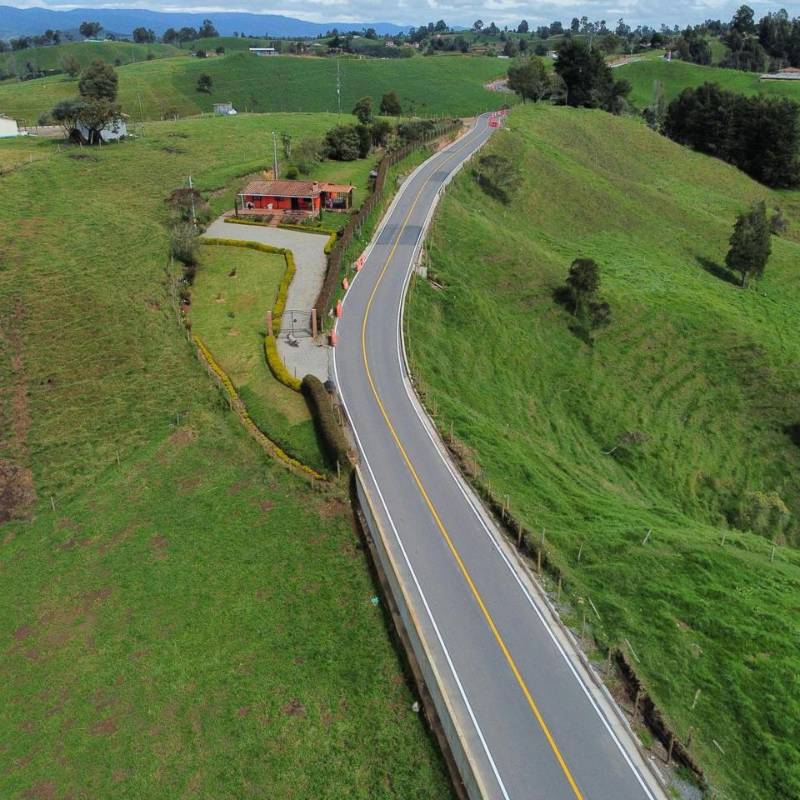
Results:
[112, 132]
[224, 110]
[8, 127]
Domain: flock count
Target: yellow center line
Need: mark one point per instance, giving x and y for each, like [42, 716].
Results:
[462, 567]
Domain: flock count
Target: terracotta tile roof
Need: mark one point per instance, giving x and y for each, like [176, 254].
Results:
[283, 188]
[337, 187]
[293, 188]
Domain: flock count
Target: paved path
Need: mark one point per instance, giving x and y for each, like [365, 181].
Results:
[536, 726]
[309, 356]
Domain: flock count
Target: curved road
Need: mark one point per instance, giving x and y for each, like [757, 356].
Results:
[533, 722]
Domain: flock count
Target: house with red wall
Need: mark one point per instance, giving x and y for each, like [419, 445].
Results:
[301, 198]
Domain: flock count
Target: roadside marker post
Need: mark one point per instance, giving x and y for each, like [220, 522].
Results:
[339, 309]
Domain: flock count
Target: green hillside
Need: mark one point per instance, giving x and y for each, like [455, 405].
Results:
[426, 86]
[675, 421]
[180, 617]
[85, 52]
[678, 75]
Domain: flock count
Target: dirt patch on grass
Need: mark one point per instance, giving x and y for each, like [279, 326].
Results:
[104, 727]
[17, 494]
[331, 507]
[159, 546]
[44, 790]
[183, 436]
[294, 708]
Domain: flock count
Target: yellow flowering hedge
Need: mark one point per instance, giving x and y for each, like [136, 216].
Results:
[276, 365]
[247, 420]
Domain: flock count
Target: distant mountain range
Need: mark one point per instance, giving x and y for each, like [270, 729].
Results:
[31, 21]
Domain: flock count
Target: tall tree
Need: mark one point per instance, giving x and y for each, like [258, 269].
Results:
[523, 26]
[588, 79]
[750, 243]
[390, 104]
[207, 30]
[90, 29]
[99, 81]
[529, 79]
[363, 110]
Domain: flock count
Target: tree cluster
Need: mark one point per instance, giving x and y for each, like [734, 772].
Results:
[759, 135]
[588, 80]
[95, 107]
[580, 296]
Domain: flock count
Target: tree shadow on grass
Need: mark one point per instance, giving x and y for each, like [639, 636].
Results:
[718, 270]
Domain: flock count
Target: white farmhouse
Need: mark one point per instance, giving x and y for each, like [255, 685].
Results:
[8, 127]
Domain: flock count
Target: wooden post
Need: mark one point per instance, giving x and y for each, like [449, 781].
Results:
[669, 749]
[580, 551]
[583, 628]
[269, 322]
[689, 736]
[314, 323]
[636, 705]
[558, 591]
[53, 502]
[772, 555]
[539, 561]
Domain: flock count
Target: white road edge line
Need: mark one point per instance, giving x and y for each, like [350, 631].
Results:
[399, 541]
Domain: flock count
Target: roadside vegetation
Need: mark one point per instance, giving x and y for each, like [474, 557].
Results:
[181, 616]
[658, 451]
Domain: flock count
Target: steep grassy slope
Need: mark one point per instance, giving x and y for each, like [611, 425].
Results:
[678, 75]
[165, 87]
[85, 53]
[179, 617]
[674, 421]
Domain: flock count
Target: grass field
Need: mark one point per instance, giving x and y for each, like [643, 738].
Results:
[85, 53]
[180, 616]
[168, 86]
[233, 290]
[678, 75]
[673, 422]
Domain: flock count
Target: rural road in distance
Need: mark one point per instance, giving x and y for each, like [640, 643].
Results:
[535, 726]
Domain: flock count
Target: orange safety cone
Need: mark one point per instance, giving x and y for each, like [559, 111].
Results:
[339, 308]
[334, 338]
[345, 283]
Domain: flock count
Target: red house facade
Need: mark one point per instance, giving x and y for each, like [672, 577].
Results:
[302, 198]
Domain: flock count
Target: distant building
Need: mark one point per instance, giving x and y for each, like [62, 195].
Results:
[224, 110]
[305, 198]
[788, 74]
[112, 132]
[263, 51]
[8, 127]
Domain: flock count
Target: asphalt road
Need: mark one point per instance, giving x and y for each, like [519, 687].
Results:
[534, 725]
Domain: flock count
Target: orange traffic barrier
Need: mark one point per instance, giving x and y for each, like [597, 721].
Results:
[334, 338]
[339, 308]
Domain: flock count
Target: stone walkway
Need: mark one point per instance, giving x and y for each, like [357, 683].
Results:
[310, 355]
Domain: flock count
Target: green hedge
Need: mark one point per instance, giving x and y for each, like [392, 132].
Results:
[276, 365]
[334, 442]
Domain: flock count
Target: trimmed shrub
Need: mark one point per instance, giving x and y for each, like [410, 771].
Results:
[276, 365]
[283, 291]
[334, 442]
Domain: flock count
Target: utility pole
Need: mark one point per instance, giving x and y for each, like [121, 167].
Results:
[274, 155]
[338, 88]
[191, 193]
[141, 111]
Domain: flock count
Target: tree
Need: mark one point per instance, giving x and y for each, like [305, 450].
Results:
[207, 30]
[170, 36]
[66, 113]
[477, 25]
[523, 27]
[588, 79]
[583, 282]
[575, 25]
[750, 243]
[440, 26]
[99, 81]
[205, 83]
[89, 30]
[498, 176]
[71, 65]
[529, 79]
[343, 143]
[379, 132]
[363, 110]
[96, 114]
[654, 114]
[286, 144]
[187, 35]
[743, 21]
[307, 154]
[143, 36]
[390, 104]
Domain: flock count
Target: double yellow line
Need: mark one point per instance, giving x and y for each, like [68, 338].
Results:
[462, 567]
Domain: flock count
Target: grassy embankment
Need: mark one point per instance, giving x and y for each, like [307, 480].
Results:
[674, 421]
[675, 76]
[191, 620]
[168, 86]
[85, 53]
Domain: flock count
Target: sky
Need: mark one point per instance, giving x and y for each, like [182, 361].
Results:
[454, 12]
